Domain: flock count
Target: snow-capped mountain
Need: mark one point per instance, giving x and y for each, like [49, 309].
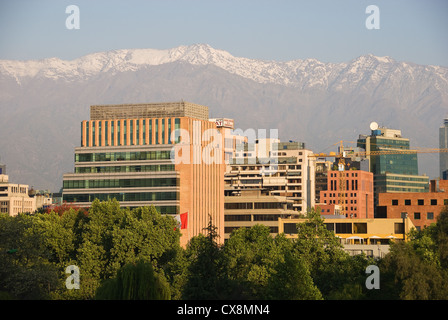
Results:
[43, 101]
[297, 73]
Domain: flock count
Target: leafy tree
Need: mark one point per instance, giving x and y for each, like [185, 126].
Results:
[336, 274]
[99, 242]
[135, 281]
[416, 270]
[410, 277]
[175, 269]
[25, 272]
[113, 237]
[250, 255]
[316, 243]
[265, 267]
[291, 280]
[441, 237]
[206, 279]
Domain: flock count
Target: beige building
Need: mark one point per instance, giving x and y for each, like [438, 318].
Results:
[164, 154]
[369, 236]
[287, 171]
[14, 198]
[254, 206]
[355, 230]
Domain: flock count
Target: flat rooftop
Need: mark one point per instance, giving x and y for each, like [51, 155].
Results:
[149, 110]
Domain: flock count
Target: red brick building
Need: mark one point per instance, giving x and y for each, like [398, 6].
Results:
[356, 196]
[422, 208]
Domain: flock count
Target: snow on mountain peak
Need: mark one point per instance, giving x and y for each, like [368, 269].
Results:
[297, 73]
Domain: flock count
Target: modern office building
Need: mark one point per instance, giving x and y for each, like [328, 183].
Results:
[287, 170]
[394, 166]
[443, 144]
[422, 208]
[14, 198]
[164, 154]
[255, 206]
[349, 191]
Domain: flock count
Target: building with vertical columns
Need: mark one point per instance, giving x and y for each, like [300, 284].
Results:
[160, 154]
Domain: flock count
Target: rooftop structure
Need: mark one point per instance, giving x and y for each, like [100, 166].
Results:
[149, 110]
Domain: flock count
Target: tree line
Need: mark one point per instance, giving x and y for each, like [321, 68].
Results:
[135, 254]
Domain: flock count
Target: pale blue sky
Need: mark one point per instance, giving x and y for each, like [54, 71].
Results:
[328, 30]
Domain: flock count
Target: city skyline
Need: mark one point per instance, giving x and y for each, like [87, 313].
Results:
[275, 31]
[201, 150]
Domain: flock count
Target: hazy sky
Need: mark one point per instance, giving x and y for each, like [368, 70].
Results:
[328, 30]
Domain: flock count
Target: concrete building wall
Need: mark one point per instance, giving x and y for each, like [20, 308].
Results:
[254, 206]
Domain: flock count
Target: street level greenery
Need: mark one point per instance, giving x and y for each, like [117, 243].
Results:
[125, 254]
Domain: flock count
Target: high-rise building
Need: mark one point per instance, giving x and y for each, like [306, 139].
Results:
[286, 170]
[164, 154]
[443, 144]
[396, 171]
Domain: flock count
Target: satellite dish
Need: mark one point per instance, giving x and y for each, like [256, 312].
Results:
[373, 126]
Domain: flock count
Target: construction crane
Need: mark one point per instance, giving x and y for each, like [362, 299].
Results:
[341, 155]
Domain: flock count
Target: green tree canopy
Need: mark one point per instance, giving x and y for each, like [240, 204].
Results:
[135, 281]
[417, 270]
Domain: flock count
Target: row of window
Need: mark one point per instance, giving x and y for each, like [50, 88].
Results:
[354, 185]
[230, 229]
[419, 215]
[120, 183]
[143, 196]
[343, 228]
[256, 217]
[331, 195]
[347, 174]
[421, 202]
[109, 169]
[123, 156]
[267, 167]
[256, 205]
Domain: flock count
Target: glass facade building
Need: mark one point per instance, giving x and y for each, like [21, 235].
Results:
[443, 144]
[396, 171]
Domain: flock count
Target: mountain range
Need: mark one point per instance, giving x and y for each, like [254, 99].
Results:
[42, 102]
